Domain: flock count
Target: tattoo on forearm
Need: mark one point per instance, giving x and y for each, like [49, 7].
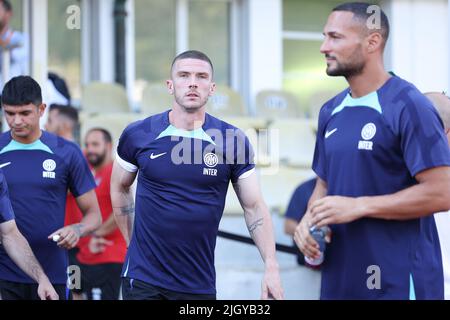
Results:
[77, 228]
[125, 211]
[255, 225]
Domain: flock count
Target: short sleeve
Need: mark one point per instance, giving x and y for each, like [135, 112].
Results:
[6, 210]
[80, 176]
[299, 200]
[244, 157]
[319, 161]
[126, 152]
[422, 136]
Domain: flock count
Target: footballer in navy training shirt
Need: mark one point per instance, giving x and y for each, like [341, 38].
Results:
[382, 162]
[40, 168]
[186, 159]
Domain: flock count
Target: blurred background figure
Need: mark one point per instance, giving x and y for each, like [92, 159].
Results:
[296, 209]
[101, 255]
[15, 42]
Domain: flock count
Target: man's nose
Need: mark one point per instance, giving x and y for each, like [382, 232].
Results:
[324, 48]
[193, 82]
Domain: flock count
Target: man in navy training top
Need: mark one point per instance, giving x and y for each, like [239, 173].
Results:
[18, 248]
[382, 162]
[185, 159]
[39, 168]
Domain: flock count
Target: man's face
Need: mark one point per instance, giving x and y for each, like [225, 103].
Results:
[23, 120]
[191, 83]
[98, 151]
[5, 16]
[343, 45]
[53, 124]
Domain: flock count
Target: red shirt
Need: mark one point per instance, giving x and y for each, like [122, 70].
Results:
[114, 253]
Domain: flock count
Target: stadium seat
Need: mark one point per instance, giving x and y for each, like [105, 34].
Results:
[278, 185]
[274, 104]
[226, 102]
[115, 123]
[100, 97]
[317, 100]
[155, 99]
[293, 141]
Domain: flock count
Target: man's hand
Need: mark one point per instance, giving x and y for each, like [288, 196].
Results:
[335, 210]
[98, 244]
[68, 236]
[303, 239]
[46, 290]
[271, 285]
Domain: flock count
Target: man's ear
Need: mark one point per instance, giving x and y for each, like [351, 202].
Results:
[42, 108]
[212, 89]
[374, 42]
[169, 84]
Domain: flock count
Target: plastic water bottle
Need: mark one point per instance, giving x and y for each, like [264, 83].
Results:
[319, 235]
[96, 294]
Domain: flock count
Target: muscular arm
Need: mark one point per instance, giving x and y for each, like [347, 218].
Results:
[259, 224]
[430, 195]
[122, 199]
[107, 227]
[92, 219]
[19, 250]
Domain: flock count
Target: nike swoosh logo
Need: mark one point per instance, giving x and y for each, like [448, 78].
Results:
[4, 164]
[154, 156]
[329, 133]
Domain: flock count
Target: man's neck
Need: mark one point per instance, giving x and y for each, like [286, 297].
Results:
[29, 139]
[101, 165]
[369, 80]
[181, 119]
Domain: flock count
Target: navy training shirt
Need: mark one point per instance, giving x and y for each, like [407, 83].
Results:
[182, 183]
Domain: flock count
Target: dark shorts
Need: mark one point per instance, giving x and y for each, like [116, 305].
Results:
[72, 255]
[28, 291]
[133, 289]
[101, 281]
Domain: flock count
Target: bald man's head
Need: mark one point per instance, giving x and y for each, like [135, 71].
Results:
[442, 104]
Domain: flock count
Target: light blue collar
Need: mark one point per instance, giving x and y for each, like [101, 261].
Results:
[37, 145]
[193, 134]
[370, 100]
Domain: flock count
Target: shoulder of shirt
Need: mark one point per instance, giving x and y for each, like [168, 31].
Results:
[150, 124]
[216, 123]
[59, 145]
[399, 88]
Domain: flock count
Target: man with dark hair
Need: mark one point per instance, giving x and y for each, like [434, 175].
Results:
[18, 249]
[382, 162]
[40, 167]
[181, 192]
[101, 255]
[62, 121]
[14, 41]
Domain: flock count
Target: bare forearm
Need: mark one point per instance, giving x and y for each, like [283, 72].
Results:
[123, 209]
[20, 252]
[107, 227]
[259, 224]
[414, 202]
[289, 226]
[90, 222]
